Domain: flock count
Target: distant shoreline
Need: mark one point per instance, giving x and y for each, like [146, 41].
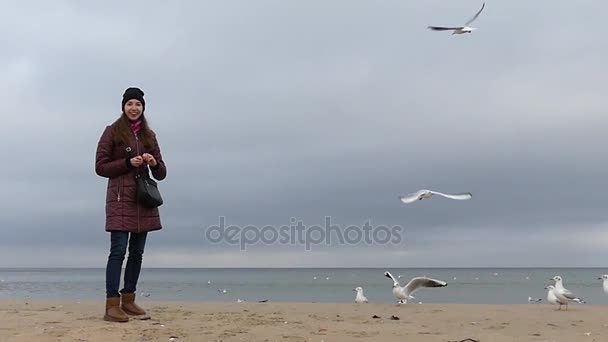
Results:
[316, 268]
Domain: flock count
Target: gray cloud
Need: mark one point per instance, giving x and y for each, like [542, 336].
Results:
[269, 110]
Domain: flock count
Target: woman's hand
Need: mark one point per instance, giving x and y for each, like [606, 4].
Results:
[149, 159]
[137, 161]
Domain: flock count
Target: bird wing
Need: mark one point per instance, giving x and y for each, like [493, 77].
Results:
[568, 294]
[459, 196]
[419, 282]
[389, 275]
[409, 198]
[476, 15]
[442, 28]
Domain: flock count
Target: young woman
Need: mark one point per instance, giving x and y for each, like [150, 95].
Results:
[126, 147]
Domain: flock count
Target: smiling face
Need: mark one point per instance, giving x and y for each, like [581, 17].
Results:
[133, 109]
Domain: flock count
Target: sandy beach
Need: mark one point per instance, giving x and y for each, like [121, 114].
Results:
[67, 321]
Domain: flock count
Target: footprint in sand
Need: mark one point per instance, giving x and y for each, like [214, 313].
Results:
[363, 333]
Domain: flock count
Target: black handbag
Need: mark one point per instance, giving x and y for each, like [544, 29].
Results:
[148, 194]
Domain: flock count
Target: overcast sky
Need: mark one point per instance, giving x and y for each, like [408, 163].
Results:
[268, 110]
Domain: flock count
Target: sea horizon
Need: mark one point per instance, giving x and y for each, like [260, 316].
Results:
[303, 268]
[473, 285]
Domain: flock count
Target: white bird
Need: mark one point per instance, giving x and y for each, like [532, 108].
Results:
[552, 298]
[604, 282]
[534, 300]
[426, 194]
[220, 291]
[460, 29]
[359, 298]
[404, 293]
[563, 294]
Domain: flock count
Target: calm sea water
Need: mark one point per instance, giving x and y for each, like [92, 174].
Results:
[475, 285]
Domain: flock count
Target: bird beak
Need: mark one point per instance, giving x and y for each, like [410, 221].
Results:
[600, 278]
[354, 289]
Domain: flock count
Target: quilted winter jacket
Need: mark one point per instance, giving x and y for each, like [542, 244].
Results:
[123, 212]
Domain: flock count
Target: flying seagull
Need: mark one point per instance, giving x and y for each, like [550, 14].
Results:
[460, 29]
[404, 293]
[425, 194]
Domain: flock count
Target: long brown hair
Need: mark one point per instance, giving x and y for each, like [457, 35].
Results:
[122, 131]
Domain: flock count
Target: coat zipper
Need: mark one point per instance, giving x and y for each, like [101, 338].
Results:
[137, 146]
[119, 186]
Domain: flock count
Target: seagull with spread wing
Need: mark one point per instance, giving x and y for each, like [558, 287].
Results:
[404, 293]
[426, 194]
[460, 29]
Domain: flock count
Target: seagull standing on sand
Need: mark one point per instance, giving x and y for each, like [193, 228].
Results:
[604, 282]
[426, 194]
[552, 298]
[534, 300]
[359, 298]
[404, 293]
[563, 294]
[460, 29]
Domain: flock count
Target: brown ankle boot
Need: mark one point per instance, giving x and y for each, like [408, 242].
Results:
[113, 311]
[128, 305]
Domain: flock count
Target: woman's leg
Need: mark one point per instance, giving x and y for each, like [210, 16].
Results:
[137, 243]
[136, 252]
[118, 249]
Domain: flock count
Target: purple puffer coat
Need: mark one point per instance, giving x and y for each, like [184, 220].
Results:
[123, 212]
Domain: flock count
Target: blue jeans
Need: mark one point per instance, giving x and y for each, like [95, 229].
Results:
[118, 249]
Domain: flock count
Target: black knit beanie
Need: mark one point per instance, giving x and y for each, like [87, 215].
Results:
[133, 93]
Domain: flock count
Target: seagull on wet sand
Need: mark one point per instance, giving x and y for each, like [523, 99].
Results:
[426, 194]
[359, 298]
[460, 29]
[404, 293]
[563, 294]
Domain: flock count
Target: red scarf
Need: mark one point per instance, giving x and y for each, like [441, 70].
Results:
[136, 126]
